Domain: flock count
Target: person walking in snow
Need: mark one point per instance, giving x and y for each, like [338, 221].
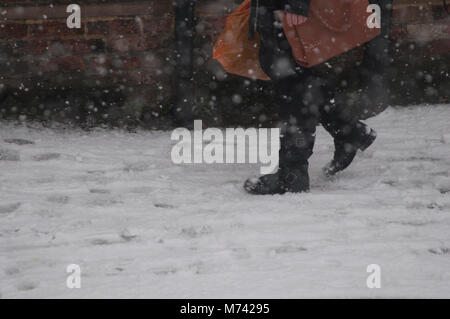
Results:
[306, 99]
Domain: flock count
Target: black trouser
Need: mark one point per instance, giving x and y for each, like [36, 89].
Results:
[305, 98]
[377, 59]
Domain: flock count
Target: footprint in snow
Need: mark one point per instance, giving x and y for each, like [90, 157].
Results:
[163, 205]
[58, 199]
[136, 167]
[46, 157]
[165, 271]
[104, 202]
[240, 252]
[18, 141]
[9, 208]
[142, 190]
[439, 251]
[26, 285]
[99, 191]
[11, 271]
[9, 155]
[392, 183]
[198, 267]
[100, 242]
[288, 249]
[434, 205]
[194, 232]
[96, 172]
[125, 236]
[128, 235]
[234, 182]
[410, 223]
[416, 159]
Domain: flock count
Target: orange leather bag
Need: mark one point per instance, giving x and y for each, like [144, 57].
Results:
[333, 27]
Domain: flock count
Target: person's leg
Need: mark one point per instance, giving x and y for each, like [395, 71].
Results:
[372, 94]
[344, 127]
[376, 61]
[348, 132]
[298, 115]
[348, 139]
[349, 135]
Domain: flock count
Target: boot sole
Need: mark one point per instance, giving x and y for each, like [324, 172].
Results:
[370, 139]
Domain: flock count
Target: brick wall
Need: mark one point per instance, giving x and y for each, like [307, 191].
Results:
[118, 67]
[112, 69]
[421, 52]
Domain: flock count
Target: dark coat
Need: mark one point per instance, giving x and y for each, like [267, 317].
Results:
[300, 7]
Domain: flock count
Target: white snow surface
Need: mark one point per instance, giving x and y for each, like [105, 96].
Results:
[139, 226]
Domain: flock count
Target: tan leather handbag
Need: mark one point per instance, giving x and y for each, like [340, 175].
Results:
[333, 27]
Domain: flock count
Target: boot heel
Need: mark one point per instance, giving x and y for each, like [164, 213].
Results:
[371, 137]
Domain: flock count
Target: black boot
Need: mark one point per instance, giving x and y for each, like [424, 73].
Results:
[346, 149]
[292, 176]
[285, 180]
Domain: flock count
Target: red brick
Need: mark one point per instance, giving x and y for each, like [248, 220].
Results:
[155, 33]
[448, 28]
[100, 65]
[69, 63]
[82, 46]
[159, 8]
[37, 46]
[439, 12]
[438, 47]
[399, 32]
[131, 43]
[149, 78]
[59, 47]
[151, 62]
[131, 62]
[131, 77]
[43, 65]
[158, 27]
[24, 47]
[117, 76]
[53, 29]
[121, 44]
[415, 14]
[212, 26]
[123, 26]
[98, 27]
[13, 31]
[135, 77]
[13, 49]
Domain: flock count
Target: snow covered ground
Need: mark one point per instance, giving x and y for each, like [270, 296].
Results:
[139, 226]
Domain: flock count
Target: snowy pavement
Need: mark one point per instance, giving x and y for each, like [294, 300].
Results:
[139, 226]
